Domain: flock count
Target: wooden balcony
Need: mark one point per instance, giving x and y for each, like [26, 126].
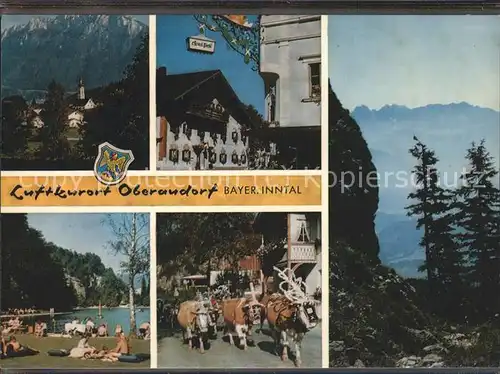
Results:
[303, 252]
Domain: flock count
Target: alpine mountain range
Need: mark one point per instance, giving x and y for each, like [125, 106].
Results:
[448, 129]
[64, 48]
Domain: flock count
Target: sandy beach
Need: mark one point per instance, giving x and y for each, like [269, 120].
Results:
[43, 360]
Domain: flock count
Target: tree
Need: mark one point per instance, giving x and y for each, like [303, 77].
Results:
[30, 276]
[214, 239]
[112, 289]
[123, 118]
[131, 240]
[144, 291]
[54, 144]
[15, 126]
[272, 247]
[433, 206]
[353, 191]
[450, 259]
[135, 133]
[424, 173]
[478, 215]
[259, 153]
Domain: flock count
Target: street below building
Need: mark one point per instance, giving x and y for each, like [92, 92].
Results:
[172, 353]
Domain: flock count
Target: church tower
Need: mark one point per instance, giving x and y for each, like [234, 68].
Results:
[81, 90]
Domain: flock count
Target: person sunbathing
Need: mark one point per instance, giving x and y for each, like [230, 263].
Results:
[145, 330]
[3, 347]
[97, 354]
[14, 324]
[43, 329]
[83, 347]
[38, 329]
[102, 330]
[118, 330]
[122, 348]
[6, 329]
[13, 348]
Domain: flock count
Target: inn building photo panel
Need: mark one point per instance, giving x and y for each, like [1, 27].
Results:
[238, 92]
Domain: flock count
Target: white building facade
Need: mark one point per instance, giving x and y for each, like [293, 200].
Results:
[290, 65]
[200, 123]
[77, 106]
[187, 148]
[301, 250]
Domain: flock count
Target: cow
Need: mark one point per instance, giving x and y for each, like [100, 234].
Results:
[289, 315]
[214, 303]
[167, 314]
[194, 320]
[240, 315]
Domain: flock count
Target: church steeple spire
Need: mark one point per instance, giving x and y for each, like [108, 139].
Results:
[81, 89]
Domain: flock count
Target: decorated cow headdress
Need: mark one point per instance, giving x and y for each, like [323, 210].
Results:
[297, 290]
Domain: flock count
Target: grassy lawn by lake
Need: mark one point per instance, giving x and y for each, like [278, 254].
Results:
[43, 360]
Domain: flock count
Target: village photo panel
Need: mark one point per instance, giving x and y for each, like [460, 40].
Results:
[237, 92]
[71, 83]
[75, 290]
[242, 288]
[414, 218]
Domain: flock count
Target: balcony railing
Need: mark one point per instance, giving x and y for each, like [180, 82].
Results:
[303, 252]
[211, 111]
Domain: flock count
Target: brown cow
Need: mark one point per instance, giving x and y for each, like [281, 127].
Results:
[289, 316]
[194, 320]
[239, 316]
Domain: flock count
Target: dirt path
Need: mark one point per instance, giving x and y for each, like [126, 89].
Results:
[173, 354]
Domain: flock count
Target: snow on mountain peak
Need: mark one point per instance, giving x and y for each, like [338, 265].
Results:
[90, 22]
[37, 23]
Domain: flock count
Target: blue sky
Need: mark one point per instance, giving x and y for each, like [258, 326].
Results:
[80, 232]
[11, 20]
[171, 34]
[376, 60]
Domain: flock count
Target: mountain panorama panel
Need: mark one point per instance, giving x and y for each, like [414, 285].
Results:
[70, 83]
[414, 219]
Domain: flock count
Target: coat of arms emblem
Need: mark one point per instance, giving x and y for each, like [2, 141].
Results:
[112, 163]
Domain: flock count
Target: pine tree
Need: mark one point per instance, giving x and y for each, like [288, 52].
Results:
[433, 206]
[441, 239]
[54, 144]
[422, 207]
[478, 217]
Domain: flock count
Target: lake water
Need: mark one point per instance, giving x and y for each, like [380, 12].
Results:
[111, 316]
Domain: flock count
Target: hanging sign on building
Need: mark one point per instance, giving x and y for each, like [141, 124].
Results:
[200, 44]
